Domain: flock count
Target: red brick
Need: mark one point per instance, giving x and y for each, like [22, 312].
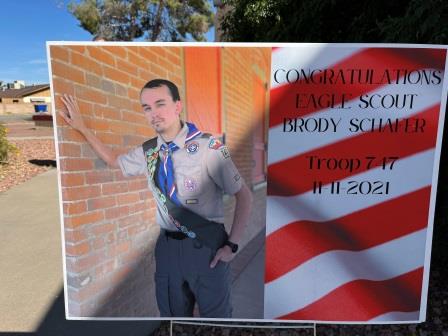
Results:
[85, 108]
[138, 207]
[117, 249]
[59, 53]
[144, 74]
[98, 243]
[145, 131]
[137, 60]
[62, 86]
[109, 138]
[96, 177]
[69, 149]
[127, 198]
[137, 118]
[148, 54]
[127, 67]
[67, 72]
[101, 56]
[168, 66]
[107, 112]
[76, 164]
[158, 71]
[90, 95]
[77, 48]
[139, 184]
[78, 249]
[80, 193]
[159, 51]
[74, 236]
[102, 229]
[86, 64]
[72, 179]
[114, 188]
[121, 90]
[101, 203]
[94, 81]
[121, 128]
[133, 230]
[138, 83]
[105, 269]
[87, 218]
[134, 94]
[172, 58]
[96, 124]
[117, 212]
[119, 102]
[116, 75]
[129, 220]
[116, 51]
[75, 208]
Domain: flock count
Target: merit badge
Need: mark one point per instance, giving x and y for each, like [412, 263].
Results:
[190, 184]
[192, 147]
[236, 177]
[215, 144]
[191, 234]
[225, 152]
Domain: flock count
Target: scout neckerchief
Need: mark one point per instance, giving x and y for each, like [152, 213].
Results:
[166, 172]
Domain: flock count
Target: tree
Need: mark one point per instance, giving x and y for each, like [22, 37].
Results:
[154, 20]
[406, 21]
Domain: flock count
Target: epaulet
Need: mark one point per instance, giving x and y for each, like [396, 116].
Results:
[215, 143]
[149, 144]
[206, 135]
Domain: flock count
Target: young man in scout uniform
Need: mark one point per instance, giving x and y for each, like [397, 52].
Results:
[187, 173]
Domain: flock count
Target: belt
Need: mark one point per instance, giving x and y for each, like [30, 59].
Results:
[175, 235]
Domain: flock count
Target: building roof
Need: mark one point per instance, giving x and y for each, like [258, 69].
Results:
[23, 92]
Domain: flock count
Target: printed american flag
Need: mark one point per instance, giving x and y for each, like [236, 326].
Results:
[339, 257]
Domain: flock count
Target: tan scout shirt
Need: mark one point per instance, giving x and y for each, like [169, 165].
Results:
[202, 172]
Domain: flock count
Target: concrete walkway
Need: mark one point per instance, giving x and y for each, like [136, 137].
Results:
[31, 283]
[30, 253]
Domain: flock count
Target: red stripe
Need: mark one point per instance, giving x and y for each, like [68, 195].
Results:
[293, 176]
[295, 243]
[282, 98]
[362, 300]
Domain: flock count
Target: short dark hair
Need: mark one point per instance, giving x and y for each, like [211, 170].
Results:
[155, 83]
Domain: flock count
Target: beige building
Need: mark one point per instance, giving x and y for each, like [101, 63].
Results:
[23, 100]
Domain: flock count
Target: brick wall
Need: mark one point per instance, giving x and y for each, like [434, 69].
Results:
[109, 222]
[239, 66]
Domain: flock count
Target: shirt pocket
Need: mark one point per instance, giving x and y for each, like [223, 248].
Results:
[189, 183]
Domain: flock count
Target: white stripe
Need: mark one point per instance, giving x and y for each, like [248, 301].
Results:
[164, 164]
[284, 145]
[397, 316]
[192, 136]
[328, 271]
[321, 56]
[409, 174]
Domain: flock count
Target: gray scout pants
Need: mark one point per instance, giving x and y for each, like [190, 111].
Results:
[183, 276]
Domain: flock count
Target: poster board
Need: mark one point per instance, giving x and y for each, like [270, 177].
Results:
[349, 207]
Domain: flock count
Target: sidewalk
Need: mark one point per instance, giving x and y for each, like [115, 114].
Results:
[31, 295]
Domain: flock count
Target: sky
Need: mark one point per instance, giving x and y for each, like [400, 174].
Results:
[26, 26]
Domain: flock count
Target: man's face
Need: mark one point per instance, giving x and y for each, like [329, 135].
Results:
[159, 108]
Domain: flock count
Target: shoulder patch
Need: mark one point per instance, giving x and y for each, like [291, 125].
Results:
[215, 144]
[225, 152]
